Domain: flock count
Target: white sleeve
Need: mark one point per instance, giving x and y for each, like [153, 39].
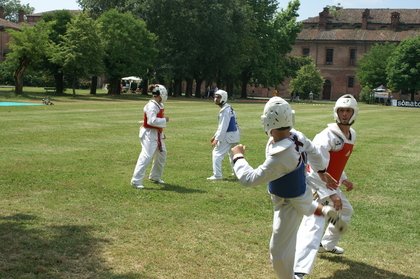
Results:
[224, 119]
[151, 110]
[275, 166]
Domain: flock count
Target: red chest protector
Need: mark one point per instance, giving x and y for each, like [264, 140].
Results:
[159, 115]
[338, 161]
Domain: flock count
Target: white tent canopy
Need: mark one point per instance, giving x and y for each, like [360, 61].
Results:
[132, 78]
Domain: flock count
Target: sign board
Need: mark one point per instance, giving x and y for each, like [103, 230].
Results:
[405, 103]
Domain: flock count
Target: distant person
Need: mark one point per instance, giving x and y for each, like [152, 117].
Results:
[284, 169]
[336, 145]
[226, 135]
[152, 139]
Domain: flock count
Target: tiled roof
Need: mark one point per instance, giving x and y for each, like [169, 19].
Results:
[346, 25]
[8, 24]
[356, 35]
[351, 16]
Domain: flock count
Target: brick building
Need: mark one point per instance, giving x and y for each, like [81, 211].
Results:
[336, 40]
[4, 36]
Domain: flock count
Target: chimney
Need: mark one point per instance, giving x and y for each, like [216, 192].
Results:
[395, 20]
[2, 12]
[365, 17]
[323, 18]
[21, 15]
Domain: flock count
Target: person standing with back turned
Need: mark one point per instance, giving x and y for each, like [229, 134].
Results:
[284, 169]
[152, 139]
[226, 136]
[336, 145]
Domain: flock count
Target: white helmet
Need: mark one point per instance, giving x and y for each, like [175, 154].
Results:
[346, 101]
[277, 114]
[160, 90]
[224, 95]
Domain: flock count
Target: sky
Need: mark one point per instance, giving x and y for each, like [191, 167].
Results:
[308, 8]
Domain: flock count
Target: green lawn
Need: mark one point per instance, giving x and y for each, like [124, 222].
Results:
[67, 209]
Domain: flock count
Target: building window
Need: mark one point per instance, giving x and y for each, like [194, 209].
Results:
[350, 82]
[329, 56]
[305, 51]
[352, 61]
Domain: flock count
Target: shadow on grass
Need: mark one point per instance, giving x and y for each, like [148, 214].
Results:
[359, 270]
[31, 251]
[174, 188]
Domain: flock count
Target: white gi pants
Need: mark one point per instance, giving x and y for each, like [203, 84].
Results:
[149, 151]
[286, 219]
[218, 154]
[310, 235]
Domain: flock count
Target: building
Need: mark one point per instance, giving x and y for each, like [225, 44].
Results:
[4, 36]
[336, 40]
[22, 19]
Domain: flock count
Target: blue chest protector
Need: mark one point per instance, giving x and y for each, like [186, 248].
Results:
[293, 184]
[232, 123]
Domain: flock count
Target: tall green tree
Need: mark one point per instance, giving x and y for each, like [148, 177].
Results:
[308, 79]
[195, 42]
[371, 69]
[12, 8]
[273, 35]
[129, 47]
[97, 7]
[27, 46]
[58, 21]
[403, 68]
[81, 51]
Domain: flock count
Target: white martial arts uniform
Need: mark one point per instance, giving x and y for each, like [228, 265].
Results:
[335, 149]
[152, 143]
[284, 171]
[227, 135]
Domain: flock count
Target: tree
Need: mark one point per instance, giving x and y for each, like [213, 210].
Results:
[58, 21]
[272, 39]
[80, 52]
[371, 70]
[403, 68]
[129, 47]
[27, 46]
[97, 7]
[12, 8]
[308, 79]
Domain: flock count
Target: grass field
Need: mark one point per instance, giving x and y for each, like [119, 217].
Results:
[67, 209]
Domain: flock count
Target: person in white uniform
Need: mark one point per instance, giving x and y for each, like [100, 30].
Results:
[336, 144]
[284, 171]
[152, 139]
[226, 135]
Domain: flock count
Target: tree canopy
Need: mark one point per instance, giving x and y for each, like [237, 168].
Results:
[12, 8]
[129, 48]
[81, 51]
[371, 70]
[27, 48]
[308, 79]
[225, 41]
[403, 68]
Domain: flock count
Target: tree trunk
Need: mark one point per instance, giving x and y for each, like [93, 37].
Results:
[177, 87]
[229, 88]
[144, 86]
[93, 85]
[114, 86]
[188, 91]
[18, 76]
[245, 77]
[198, 83]
[59, 82]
